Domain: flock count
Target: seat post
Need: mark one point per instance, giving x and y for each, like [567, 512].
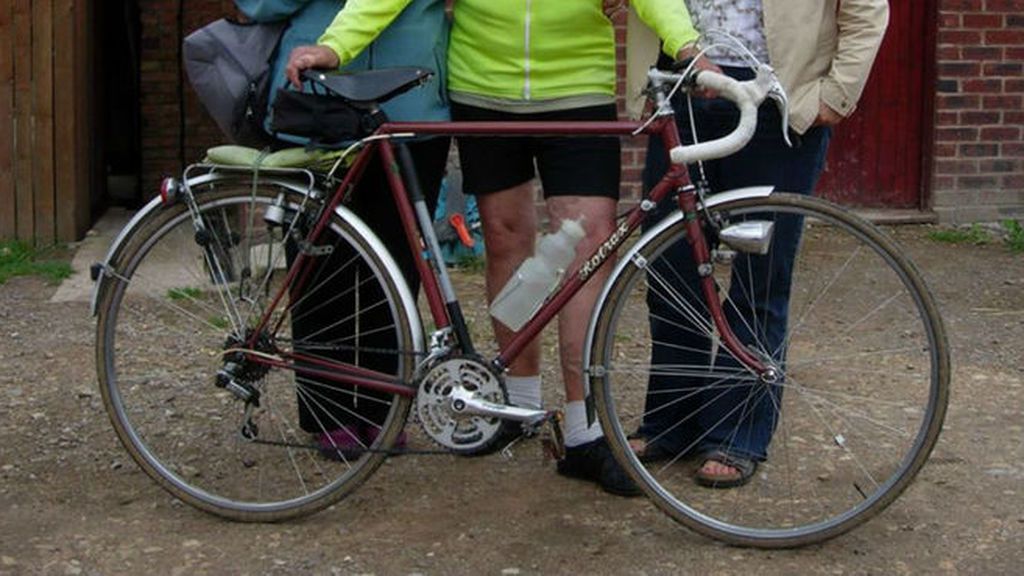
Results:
[433, 253]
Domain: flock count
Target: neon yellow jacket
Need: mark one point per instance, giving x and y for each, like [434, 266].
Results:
[543, 49]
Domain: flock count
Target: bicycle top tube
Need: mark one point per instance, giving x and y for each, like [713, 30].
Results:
[513, 128]
[746, 95]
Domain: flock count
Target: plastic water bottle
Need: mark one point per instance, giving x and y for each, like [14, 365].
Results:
[538, 276]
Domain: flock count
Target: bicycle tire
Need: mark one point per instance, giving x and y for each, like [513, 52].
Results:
[172, 307]
[864, 399]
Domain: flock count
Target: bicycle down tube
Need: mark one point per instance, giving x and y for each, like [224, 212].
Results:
[677, 179]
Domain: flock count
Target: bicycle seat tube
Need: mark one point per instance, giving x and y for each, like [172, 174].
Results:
[437, 285]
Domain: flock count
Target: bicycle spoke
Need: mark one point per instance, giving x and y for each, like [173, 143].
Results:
[346, 390]
[821, 294]
[314, 291]
[313, 406]
[849, 356]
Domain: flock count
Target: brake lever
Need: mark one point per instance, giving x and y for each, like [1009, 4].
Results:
[777, 94]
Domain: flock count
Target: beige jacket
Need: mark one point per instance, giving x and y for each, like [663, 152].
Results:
[828, 63]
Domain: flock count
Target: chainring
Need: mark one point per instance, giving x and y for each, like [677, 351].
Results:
[461, 433]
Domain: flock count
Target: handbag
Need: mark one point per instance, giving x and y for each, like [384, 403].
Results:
[228, 64]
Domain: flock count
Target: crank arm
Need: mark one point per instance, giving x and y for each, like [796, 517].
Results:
[466, 402]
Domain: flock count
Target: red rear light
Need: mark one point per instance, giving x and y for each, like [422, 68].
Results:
[168, 191]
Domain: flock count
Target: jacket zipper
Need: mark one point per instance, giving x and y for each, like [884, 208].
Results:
[526, 52]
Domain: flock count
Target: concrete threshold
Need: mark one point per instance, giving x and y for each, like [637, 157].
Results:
[893, 216]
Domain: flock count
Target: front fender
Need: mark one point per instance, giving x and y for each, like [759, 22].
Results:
[627, 260]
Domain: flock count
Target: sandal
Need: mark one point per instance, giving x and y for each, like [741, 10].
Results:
[745, 470]
[646, 450]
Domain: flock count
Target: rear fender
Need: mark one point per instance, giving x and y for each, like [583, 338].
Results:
[102, 273]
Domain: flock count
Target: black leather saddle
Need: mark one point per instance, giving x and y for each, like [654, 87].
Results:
[371, 85]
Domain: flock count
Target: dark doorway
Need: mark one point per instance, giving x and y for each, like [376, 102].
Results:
[118, 150]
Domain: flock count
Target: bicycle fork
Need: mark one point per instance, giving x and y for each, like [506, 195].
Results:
[767, 373]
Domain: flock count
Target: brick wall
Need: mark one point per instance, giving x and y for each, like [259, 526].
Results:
[634, 150]
[979, 132]
[175, 128]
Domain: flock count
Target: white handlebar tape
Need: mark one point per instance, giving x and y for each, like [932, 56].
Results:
[747, 96]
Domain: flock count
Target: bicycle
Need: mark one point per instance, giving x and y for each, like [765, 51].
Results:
[202, 379]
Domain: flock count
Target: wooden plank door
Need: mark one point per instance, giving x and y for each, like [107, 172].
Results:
[8, 227]
[45, 119]
[877, 157]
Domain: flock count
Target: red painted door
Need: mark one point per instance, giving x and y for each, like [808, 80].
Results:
[876, 156]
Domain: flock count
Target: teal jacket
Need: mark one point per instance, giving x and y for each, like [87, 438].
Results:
[417, 37]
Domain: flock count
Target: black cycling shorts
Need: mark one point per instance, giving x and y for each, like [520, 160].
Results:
[568, 166]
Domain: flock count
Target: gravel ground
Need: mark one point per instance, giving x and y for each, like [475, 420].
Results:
[72, 501]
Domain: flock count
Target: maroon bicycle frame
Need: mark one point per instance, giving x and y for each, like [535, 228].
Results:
[677, 178]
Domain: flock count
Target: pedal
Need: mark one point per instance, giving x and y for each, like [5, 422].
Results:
[552, 438]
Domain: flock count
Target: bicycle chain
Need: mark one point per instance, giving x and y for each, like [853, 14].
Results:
[390, 452]
[324, 346]
[551, 448]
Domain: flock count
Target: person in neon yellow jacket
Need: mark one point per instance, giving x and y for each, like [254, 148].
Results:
[533, 50]
[532, 60]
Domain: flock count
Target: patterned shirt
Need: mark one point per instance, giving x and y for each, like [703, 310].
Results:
[743, 19]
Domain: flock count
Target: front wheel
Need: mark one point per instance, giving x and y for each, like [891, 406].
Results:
[862, 361]
[253, 441]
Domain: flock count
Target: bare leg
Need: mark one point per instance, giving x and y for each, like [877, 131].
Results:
[598, 215]
[587, 454]
[510, 229]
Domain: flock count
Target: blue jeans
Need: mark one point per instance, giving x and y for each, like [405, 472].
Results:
[738, 419]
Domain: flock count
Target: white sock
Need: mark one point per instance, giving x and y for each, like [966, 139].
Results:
[576, 430]
[524, 391]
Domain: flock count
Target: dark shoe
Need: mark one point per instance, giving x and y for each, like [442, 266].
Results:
[745, 470]
[594, 461]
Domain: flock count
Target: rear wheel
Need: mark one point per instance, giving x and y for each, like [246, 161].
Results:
[863, 374]
[249, 440]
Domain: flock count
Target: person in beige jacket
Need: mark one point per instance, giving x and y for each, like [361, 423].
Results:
[822, 51]
[827, 68]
